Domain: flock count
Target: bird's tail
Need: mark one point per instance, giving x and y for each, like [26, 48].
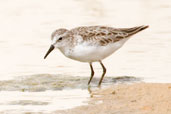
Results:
[134, 30]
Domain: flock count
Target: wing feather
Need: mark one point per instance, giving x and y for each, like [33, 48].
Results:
[102, 35]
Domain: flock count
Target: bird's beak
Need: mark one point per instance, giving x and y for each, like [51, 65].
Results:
[50, 49]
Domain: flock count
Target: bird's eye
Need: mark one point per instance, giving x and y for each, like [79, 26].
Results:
[60, 39]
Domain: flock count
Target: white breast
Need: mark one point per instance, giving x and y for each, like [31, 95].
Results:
[89, 53]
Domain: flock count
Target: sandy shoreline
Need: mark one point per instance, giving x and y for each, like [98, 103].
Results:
[137, 98]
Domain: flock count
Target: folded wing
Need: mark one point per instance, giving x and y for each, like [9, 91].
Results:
[102, 35]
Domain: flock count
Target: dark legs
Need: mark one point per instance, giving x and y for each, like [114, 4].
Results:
[92, 73]
[104, 72]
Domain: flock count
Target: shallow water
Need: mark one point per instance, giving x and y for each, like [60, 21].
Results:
[14, 101]
[47, 92]
[45, 82]
[26, 27]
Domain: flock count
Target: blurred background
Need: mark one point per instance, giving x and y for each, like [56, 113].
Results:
[26, 27]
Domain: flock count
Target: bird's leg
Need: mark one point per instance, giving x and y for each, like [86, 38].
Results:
[104, 72]
[92, 73]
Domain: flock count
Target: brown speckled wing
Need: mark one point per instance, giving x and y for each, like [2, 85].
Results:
[120, 34]
[102, 35]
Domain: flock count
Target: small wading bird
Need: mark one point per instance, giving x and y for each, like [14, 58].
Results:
[91, 43]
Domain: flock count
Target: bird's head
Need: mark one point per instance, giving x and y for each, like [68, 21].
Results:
[59, 40]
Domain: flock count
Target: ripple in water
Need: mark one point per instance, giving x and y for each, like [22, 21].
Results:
[43, 82]
[49, 92]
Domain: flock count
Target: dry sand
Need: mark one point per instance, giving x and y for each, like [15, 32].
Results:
[139, 98]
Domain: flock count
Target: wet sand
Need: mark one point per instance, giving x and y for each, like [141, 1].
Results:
[137, 98]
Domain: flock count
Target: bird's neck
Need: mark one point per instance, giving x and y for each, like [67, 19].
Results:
[66, 50]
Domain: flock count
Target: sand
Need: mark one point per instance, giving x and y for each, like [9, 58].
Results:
[138, 98]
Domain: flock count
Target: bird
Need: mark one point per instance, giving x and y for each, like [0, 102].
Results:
[91, 43]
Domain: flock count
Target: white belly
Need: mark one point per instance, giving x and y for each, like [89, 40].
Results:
[89, 53]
